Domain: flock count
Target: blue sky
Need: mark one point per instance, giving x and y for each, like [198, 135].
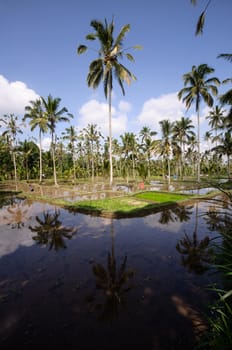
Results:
[38, 57]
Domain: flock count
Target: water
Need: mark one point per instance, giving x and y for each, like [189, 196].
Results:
[72, 281]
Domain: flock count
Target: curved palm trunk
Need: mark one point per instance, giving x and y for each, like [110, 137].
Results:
[110, 135]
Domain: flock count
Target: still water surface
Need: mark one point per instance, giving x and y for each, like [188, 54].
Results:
[73, 281]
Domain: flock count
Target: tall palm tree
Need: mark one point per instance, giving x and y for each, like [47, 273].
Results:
[12, 129]
[216, 117]
[146, 135]
[70, 134]
[225, 148]
[197, 88]
[129, 148]
[182, 133]
[92, 136]
[166, 143]
[38, 119]
[54, 115]
[107, 64]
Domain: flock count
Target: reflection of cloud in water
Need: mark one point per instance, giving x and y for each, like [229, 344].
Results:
[173, 226]
[96, 226]
[11, 240]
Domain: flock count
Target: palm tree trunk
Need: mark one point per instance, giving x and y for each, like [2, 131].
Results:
[110, 135]
[40, 158]
[198, 147]
[54, 161]
[15, 168]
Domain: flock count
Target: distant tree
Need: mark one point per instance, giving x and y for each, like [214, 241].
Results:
[197, 88]
[166, 143]
[182, 133]
[12, 129]
[54, 115]
[71, 136]
[38, 119]
[107, 65]
[146, 135]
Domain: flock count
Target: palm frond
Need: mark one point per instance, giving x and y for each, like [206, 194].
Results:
[121, 35]
[226, 56]
[130, 57]
[81, 49]
[91, 36]
[200, 24]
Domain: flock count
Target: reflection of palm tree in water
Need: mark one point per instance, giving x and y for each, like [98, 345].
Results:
[50, 230]
[16, 214]
[196, 254]
[178, 213]
[113, 281]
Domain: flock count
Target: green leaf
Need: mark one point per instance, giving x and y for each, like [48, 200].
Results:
[137, 47]
[130, 57]
[81, 49]
[90, 37]
[200, 24]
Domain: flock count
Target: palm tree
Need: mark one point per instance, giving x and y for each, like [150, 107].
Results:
[146, 135]
[54, 115]
[70, 134]
[11, 131]
[196, 88]
[37, 119]
[107, 64]
[216, 117]
[166, 143]
[182, 133]
[225, 148]
[129, 149]
[92, 136]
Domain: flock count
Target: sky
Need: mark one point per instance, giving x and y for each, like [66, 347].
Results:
[38, 42]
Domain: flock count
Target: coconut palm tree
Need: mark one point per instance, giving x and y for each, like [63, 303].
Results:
[216, 117]
[12, 129]
[129, 149]
[182, 133]
[146, 135]
[71, 136]
[54, 115]
[38, 119]
[225, 148]
[197, 88]
[107, 65]
[92, 136]
[166, 143]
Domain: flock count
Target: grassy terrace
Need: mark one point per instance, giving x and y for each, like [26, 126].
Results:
[128, 206]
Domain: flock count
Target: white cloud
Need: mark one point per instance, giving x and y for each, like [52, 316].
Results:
[95, 112]
[14, 96]
[46, 143]
[163, 107]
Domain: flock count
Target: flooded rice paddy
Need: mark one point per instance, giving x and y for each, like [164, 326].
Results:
[73, 281]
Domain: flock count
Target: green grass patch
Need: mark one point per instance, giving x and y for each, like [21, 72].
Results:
[137, 204]
[162, 197]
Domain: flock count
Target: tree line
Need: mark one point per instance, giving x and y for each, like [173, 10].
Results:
[88, 153]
